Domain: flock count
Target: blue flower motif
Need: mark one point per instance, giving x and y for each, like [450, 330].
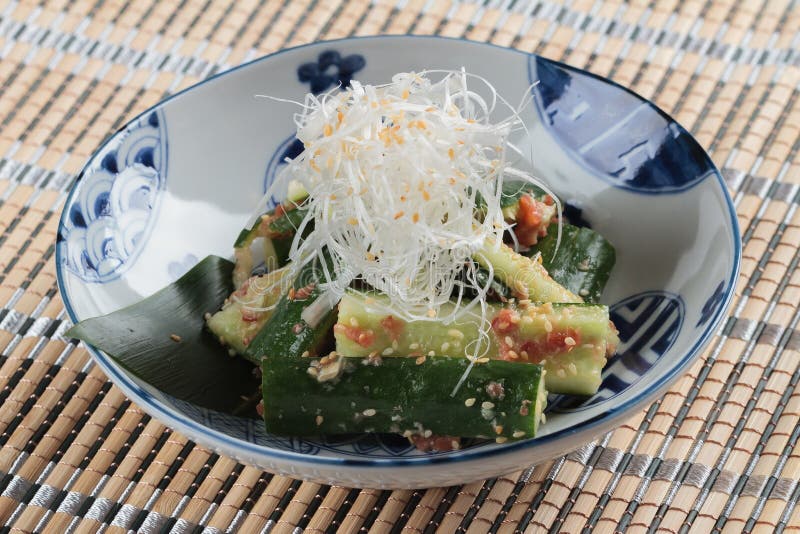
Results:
[330, 69]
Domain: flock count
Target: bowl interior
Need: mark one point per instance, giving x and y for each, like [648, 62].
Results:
[181, 180]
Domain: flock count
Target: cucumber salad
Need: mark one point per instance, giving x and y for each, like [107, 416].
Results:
[415, 281]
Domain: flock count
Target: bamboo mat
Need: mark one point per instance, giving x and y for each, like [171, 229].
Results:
[716, 453]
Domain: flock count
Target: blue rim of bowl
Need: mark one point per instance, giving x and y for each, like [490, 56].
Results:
[157, 409]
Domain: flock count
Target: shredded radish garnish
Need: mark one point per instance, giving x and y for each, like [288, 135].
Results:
[395, 175]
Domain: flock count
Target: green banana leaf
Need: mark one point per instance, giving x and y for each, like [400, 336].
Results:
[162, 340]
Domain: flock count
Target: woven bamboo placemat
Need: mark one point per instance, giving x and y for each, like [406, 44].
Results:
[716, 453]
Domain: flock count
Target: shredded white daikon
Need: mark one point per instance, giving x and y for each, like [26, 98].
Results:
[395, 175]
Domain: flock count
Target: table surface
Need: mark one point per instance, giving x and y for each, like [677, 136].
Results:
[716, 453]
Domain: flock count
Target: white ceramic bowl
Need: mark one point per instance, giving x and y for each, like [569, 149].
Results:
[180, 180]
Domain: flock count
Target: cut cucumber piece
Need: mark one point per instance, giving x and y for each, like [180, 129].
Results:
[272, 233]
[572, 341]
[295, 193]
[498, 292]
[582, 263]
[523, 275]
[498, 399]
[247, 310]
[286, 333]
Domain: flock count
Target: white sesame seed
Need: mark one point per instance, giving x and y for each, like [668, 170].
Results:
[569, 341]
[414, 346]
[457, 334]
[518, 434]
[369, 412]
[431, 353]
[427, 434]
[445, 346]
[388, 351]
[500, 439]
[469, 402]
[319, 419]
[486, 405]
[508, 341]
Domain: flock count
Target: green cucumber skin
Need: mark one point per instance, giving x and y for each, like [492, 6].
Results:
[500, 291]
[513, 190]
[522, 274]
[576, 370]
[417, 395]
[286, 333]
[578, 246]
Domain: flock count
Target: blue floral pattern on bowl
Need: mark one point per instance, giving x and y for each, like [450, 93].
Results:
[330, 69]
[115, 200]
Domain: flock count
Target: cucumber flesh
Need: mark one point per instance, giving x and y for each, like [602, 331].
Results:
[286, 333]
[296, 193]
[498, 399]
[525, 276]
[572, 341]
[247, 310]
